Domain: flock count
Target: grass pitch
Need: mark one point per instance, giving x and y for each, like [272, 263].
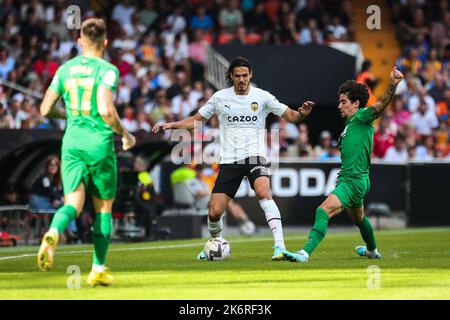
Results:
[415, 265]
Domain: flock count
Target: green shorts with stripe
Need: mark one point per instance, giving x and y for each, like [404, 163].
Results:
[352, 192]
[98, 171]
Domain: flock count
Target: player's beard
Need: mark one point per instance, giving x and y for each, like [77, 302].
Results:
[242, 87]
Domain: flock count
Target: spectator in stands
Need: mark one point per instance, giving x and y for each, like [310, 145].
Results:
[4, 119]
[231, 17]
[310, 34]
[426, 151]
[324, 144]
[57, 26]
[291, 130]
[129, 120]
[366, 77]
[8, 28]
[142, 123]
[31, 26]
[183, 104]
[332, 153]
[442, 137]
[337, 29]
[399, 115]
[15, 114]
[411, 62]
[6, 63]
[46, 192]
[383, 139]
[424, 121]
[159, 110]
[310, 11]
[148, 16]
[303, 144]
[398, 152]
[123, 12]
[421, 97]
[135, 29]
[176, 22]
[201, 20]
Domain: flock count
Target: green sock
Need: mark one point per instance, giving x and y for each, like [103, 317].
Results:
[63, 217]
[318, 231]
[101, 236]
[365, 227]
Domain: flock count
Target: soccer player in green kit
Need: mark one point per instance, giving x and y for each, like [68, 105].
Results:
[353, 184]
[87, 84]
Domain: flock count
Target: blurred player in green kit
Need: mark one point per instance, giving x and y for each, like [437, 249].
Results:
[87, 84]
[355, 144]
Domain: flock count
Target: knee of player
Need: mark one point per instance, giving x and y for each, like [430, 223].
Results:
[215, 211]
[263, 194]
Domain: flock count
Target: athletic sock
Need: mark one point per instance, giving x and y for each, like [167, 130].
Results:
[318, 231]
[101, 237]
[273, 218]
[365, 227]
[215, 228]
[62, 218]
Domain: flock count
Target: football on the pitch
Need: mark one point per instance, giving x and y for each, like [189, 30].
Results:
[217, 249]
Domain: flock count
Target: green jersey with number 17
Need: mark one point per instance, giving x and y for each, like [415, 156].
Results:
[77, 81]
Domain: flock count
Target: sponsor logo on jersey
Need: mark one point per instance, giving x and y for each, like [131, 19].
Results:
[242, 118]
[254, 106]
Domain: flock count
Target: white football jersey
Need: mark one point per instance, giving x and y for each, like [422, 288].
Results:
[242, 121]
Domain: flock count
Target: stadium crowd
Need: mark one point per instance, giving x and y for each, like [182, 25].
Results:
[159, 49]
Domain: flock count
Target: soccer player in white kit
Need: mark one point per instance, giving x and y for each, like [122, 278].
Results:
[242, 111]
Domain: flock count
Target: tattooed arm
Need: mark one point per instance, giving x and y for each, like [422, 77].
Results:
[380, 106]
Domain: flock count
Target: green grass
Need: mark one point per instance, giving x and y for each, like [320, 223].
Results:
[416, 265]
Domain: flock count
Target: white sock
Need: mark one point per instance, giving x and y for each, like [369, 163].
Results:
[98, 267]
[375, 252]
[273, 218]
[54, 230]
[215, 228]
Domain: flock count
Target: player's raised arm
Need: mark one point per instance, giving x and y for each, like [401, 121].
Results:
[395, 78]
[108, 112]
[297, 116]
[187, 123]
[48, 106]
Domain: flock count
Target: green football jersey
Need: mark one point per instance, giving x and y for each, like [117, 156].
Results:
[355, 144]
[77, 81]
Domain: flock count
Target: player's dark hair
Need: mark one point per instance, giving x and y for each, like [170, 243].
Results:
[235, 63]
[94, 29]
[355, 91]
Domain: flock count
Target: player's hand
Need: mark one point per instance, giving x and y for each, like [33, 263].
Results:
[396, 76]
[128, 141]
[306, 108]
[162, 126]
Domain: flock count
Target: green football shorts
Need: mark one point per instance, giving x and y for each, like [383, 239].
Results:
[351, 192]
[98, 171]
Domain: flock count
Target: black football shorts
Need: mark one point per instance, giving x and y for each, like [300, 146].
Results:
[231, 174]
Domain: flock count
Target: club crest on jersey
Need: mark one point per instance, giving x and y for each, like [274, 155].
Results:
[254, 106]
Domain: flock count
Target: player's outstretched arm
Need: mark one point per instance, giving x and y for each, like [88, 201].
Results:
[187, 123]
[297, 116]
[395, 78]
[48, 106]
[109, 114]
